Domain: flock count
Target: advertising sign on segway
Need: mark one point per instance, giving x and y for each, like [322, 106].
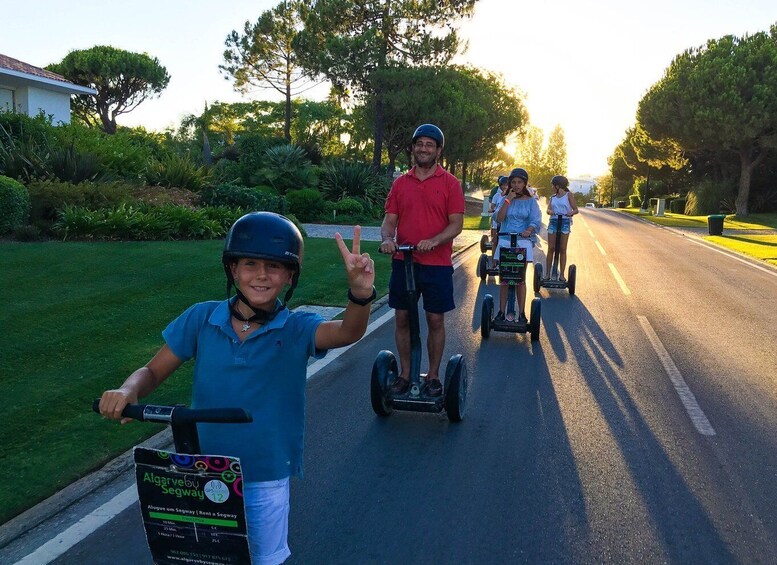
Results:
[192, 507]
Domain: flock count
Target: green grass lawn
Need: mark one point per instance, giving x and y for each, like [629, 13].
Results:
[78, 318]
[763, 247]
[477, 222]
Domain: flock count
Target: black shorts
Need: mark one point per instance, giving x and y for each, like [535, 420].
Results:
[433, 282]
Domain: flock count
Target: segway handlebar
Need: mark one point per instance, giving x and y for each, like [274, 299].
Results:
[516, 234]
[404, 247]
[181, 414]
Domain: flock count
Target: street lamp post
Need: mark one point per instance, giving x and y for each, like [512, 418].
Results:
[612, 187]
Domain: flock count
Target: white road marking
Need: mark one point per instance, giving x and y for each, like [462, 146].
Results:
[316, 366]
[81, 529]
[700, 421]
[619, 279]
[601, 249]
[591, 233]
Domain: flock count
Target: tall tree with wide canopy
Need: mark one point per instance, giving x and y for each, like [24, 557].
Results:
[122, 79]
[555, 154]
[263, 57]
[349, 40]
[531, 154]
[474, 110]
[720, 97]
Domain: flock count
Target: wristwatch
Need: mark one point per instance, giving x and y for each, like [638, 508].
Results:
[362, 301]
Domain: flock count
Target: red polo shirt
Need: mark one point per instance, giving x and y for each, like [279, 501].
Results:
[423, 208]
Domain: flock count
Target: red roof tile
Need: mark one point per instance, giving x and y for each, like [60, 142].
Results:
[12, 64]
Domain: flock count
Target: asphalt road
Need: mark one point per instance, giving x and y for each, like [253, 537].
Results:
[642, 427]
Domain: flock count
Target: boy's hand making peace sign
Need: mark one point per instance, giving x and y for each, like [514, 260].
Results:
[359, 267]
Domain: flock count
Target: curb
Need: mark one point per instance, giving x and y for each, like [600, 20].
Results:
[76, 491]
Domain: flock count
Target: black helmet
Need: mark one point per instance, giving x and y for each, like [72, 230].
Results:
[263, 235]
[431, 131]
[561, 181]
[520, 173]
[503, 179]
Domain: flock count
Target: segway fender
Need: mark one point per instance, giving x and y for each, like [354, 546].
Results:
[535, 320]
[384, 371]
[537, 276]
[455, 388]
[486, 315]
[572, 280]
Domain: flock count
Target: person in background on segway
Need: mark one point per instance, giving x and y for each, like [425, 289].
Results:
[252, 352]
[425, 208]
[562, 203]
[517, 213]
[496, 199]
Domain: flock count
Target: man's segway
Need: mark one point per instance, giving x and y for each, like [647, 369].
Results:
[553, 281]
[487, 266]
[416, 399]
[192, 505]
[512, 270]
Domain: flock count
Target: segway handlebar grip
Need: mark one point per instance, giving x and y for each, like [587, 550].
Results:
[134, 411]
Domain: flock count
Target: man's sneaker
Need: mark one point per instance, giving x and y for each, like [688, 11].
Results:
[400, 385]
[500, 316]
[522, 318]
[434, 387]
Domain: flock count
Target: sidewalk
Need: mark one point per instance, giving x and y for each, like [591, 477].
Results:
[372, 233]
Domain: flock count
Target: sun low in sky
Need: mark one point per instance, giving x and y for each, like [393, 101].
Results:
[582, 65]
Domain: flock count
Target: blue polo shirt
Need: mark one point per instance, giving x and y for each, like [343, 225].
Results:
[265, 374]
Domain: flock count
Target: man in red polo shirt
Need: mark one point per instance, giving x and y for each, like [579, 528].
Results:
[425, 208]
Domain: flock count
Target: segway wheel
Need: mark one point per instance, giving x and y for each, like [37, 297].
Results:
[484, 241]
[384, 371]
[486, 315]
[483, 267]
[537, 276]
[534, 321]
[572, 274]
[455, 388]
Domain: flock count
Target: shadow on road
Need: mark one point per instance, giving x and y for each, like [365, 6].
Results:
[680, 521]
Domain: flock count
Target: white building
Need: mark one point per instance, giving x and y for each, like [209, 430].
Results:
[581, 185]
[30, 90]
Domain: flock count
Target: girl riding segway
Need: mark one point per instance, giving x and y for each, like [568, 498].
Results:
[562, 203]
[517, 213]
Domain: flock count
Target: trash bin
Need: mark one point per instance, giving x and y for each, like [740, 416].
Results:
[715, 223]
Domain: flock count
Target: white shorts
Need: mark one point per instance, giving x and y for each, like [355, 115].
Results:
[525, 243]
[267, 518]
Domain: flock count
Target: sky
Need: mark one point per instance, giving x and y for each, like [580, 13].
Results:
[581, 65]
